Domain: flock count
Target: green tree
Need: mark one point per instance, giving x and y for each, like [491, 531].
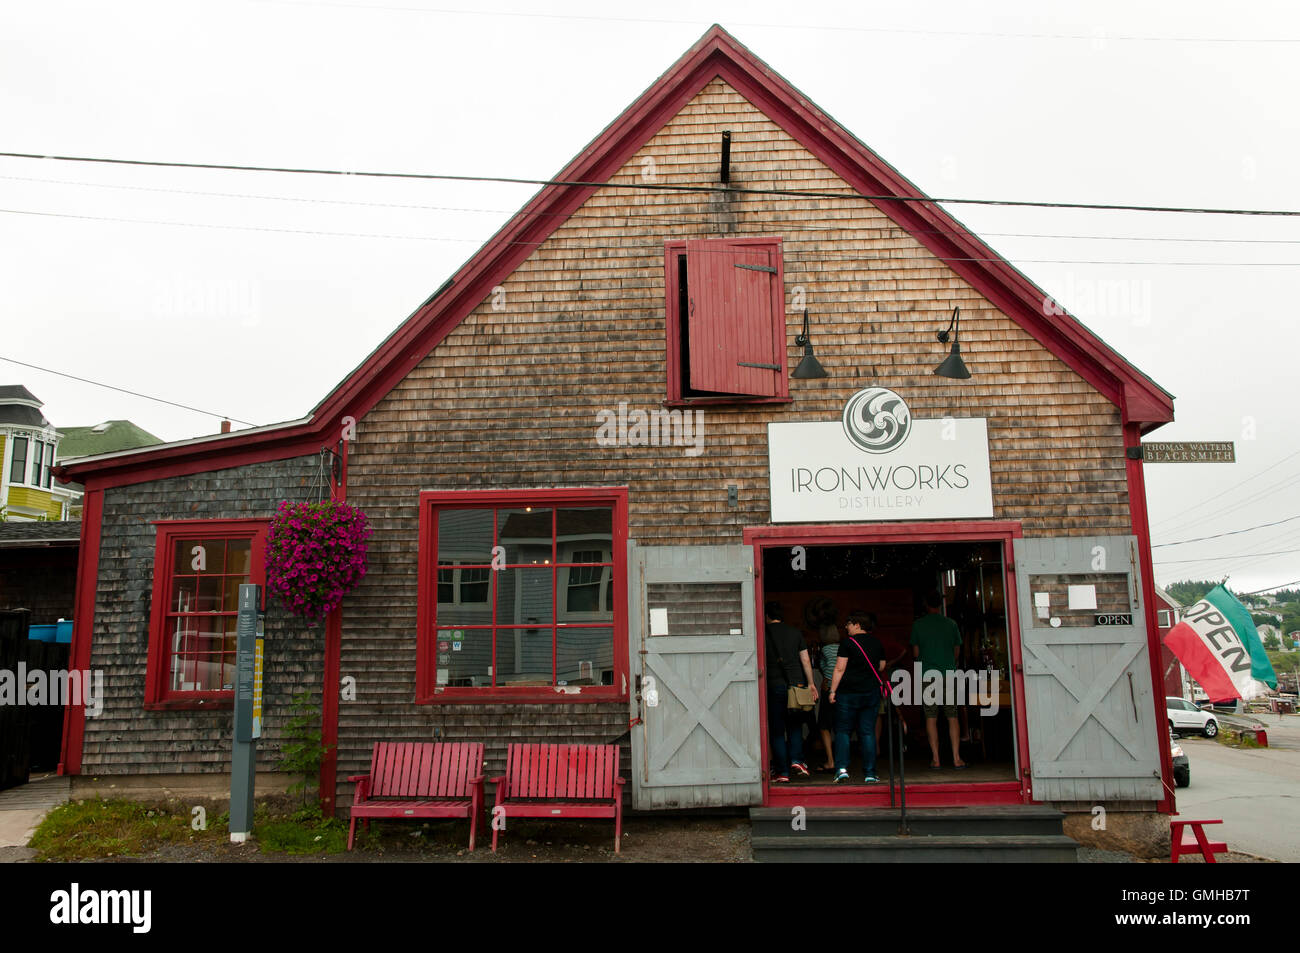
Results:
[1189, 592]
[301, 750]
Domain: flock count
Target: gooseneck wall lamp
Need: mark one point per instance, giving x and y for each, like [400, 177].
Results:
[809, 368]
[953, 366]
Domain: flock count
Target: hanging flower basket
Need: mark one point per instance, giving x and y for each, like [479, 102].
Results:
[315, 555]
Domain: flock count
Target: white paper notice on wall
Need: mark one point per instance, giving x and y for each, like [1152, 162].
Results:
[1083, 597]
[659, 621]
[1042, 599]
[1043, 612]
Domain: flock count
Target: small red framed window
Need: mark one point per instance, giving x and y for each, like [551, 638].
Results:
[522, 595]
[725, 316]
[198, 568]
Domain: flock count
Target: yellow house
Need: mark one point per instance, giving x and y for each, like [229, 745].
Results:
[28, 447]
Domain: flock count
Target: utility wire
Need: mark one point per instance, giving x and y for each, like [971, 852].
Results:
[1269, 589]
[1235, 532]
[123, 390]
[1211, 499]
[657, 186]
[655, 217]
[923, 254]
[1245, 502]
[1098, 36]
[1209, 559]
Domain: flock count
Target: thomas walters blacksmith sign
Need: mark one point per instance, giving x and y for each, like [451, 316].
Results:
[879, 463]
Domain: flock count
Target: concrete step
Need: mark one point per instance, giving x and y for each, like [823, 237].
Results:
[987, 821]
[937, 849]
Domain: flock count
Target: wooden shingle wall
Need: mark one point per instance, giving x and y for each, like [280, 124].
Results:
[509, 398]
[126, 739]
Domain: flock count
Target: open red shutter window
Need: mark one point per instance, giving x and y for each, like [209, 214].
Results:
[732, 293]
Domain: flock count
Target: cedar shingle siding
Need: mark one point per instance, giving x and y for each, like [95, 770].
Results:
[126, 739]
[509, 399]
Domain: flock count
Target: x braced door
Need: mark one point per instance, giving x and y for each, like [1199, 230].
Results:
[1089, 699]
[695, 735]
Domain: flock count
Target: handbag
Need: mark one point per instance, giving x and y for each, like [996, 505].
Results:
[800, 699]
[796, 698]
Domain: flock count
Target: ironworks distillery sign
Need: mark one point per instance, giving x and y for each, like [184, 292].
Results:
[879, 463]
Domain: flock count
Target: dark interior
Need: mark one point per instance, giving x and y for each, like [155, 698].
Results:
[892, 582]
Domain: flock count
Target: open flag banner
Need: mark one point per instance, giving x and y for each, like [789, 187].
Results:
[1217, 643]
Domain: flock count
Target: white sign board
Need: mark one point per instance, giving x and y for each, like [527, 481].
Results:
[879, 464]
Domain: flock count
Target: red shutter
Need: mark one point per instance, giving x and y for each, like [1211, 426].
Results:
[732, 297]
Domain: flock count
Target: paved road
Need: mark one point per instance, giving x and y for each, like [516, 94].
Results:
[1255, 791]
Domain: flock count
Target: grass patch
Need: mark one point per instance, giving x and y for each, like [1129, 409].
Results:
[307, 831]
[85, 830]
[1234, 739]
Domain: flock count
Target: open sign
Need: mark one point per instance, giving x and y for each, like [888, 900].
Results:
[1115, 618]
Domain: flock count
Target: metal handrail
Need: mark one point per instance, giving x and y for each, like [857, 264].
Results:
[889, 733]
[903, 829]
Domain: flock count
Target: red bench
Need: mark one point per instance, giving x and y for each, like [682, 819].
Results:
[420, 779]
[1183, 841]
[560, 781]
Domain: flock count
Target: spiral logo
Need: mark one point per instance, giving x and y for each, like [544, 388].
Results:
[877, 420]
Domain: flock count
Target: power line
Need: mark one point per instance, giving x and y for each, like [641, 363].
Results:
[1235, 532]
[1243, 503]
[633, 215]
[1269, 588]
[262, 196]
[1211, 499]
[630, 247]
[657, 186]
[123, 390]
[1099, 36]
[1210, 559]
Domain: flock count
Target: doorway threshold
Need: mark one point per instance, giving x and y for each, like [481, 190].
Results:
[920, 794]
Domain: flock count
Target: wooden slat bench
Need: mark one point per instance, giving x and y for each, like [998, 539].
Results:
[1184, 841]
[420, 779]
[560, 781]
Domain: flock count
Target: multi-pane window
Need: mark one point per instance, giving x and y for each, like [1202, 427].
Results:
[459, 585]
[200, 567]
[18, 463]
[524, 594]
[38, 449]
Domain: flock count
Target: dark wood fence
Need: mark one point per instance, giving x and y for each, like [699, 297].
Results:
[31, 736]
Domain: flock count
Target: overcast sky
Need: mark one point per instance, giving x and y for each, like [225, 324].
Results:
[293, 279]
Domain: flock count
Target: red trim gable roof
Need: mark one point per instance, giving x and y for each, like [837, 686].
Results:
[716, 54]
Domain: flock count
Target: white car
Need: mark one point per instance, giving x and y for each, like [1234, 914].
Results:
[1185, 717]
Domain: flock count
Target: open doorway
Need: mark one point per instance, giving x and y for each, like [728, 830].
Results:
[819, 586]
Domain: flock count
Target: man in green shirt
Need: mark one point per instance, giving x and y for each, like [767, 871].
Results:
[937, 643]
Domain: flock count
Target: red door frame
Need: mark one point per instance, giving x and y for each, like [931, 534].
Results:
[847, 534]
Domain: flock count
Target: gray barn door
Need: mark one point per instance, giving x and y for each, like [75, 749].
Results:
[695, 667]
[1093, 728]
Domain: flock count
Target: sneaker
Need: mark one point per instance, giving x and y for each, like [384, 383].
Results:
[800, 769]
[841, 777]
[870, 779]
[780, 778]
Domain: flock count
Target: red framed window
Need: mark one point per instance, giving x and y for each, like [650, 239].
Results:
[198, 568]
[725, 315]
[522, 595]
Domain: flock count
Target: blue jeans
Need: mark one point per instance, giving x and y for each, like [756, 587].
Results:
[784, 729]
[856, 710]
